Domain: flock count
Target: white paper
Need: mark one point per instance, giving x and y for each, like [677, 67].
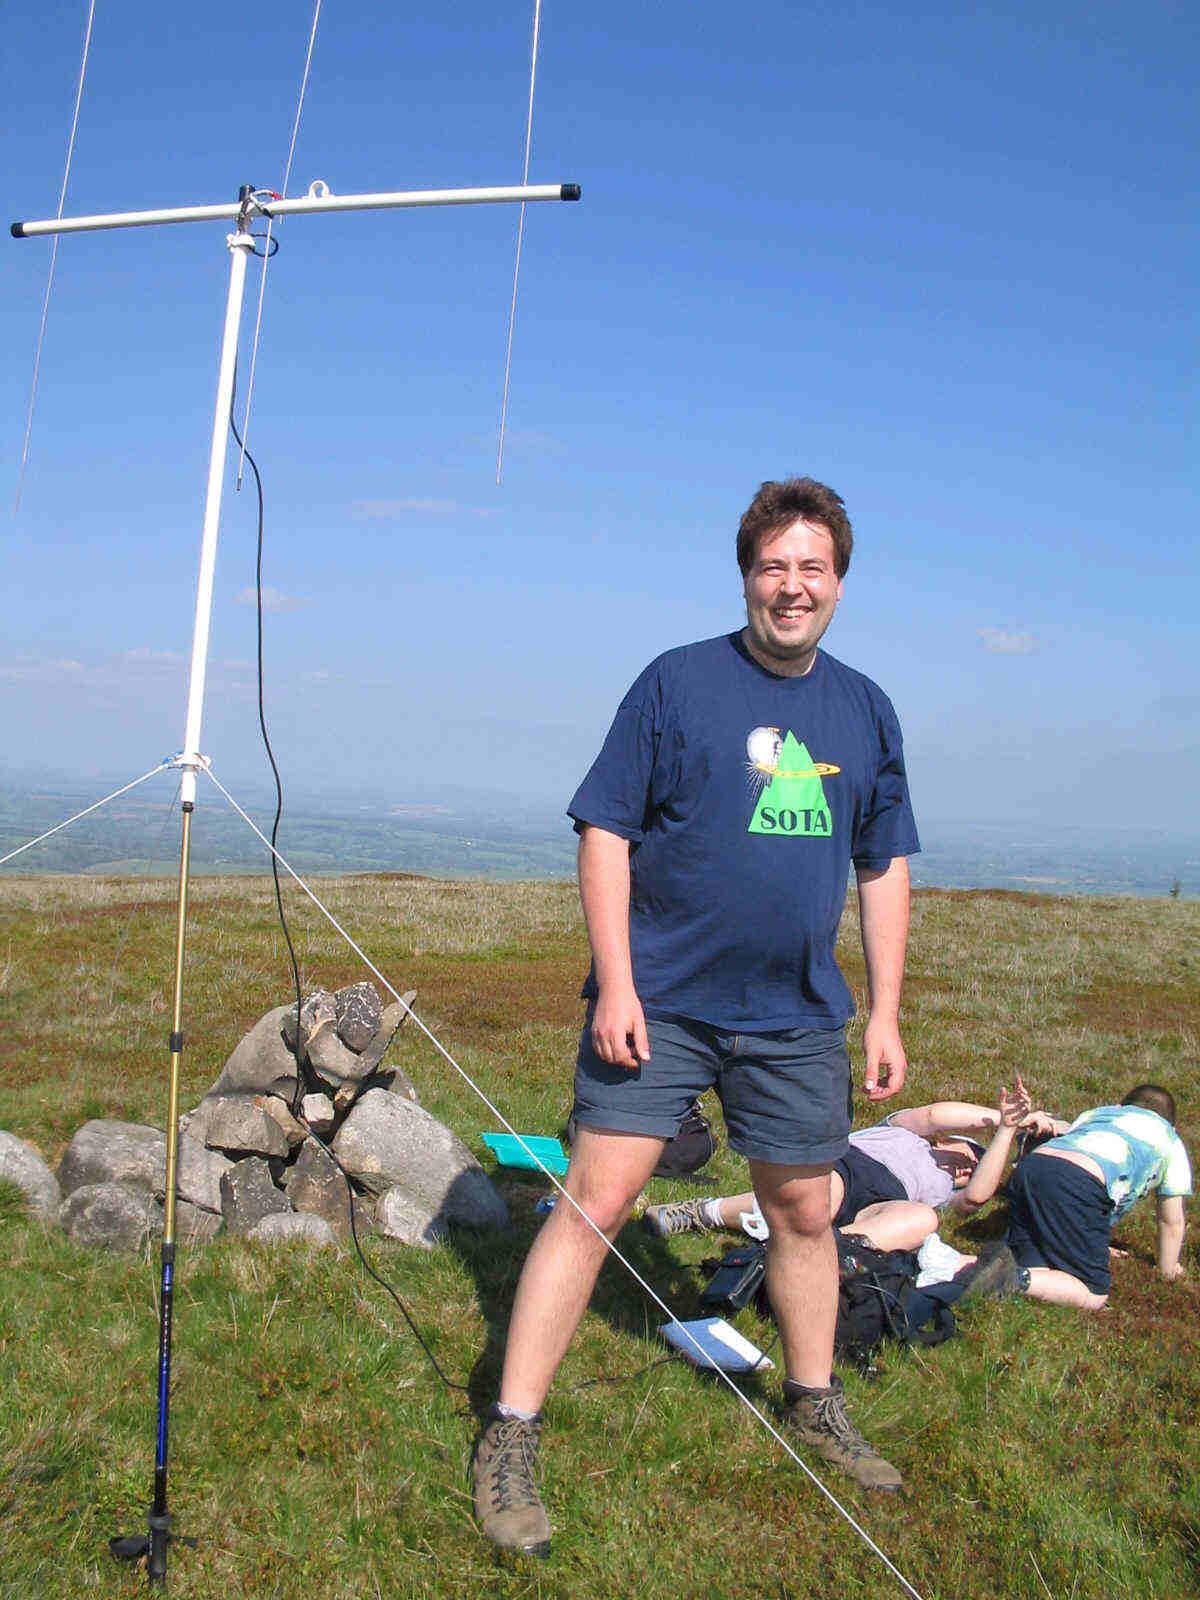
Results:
[720, 1345]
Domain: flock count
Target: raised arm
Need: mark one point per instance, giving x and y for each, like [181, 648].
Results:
[618, 1025]
[883, 917]
[985, 1180]
[949, 1116]
[1171, 1226]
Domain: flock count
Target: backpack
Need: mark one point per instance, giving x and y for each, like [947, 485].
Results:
[874, 1291]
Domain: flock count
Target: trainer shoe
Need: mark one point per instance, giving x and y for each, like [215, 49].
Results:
[507, 1505]
[994, 1273]
[818, 1417]
[683, 1216]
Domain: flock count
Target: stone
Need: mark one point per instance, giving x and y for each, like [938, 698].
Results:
[387, 1142]
[318, 1014]
[105, 1151]
[262, 1063]
[399, 1216]
[287, 1226]
[392, 1020]
[193, 1224]
[280, 1111]
[359, 1011]
[397, 1082]
[334, 1062]
[315, 1186]
[113, 1216]
[20, 1164]
[317, 1111]
[248, 1195]
[242, 1123]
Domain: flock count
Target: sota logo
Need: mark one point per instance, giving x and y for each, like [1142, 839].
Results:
[792, 798]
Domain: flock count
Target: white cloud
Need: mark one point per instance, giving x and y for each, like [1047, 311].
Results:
[29, 669]
[273, 600]
[382, 509]
[143, 656]
[1008, 642]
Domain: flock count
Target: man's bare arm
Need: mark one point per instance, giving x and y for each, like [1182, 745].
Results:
[618, 1025]
[949, 1116]
[883, 917]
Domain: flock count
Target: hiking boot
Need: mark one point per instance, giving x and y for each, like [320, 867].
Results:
[994, 1273]
[684, 1216]
[508, 1507]
[818, 1417]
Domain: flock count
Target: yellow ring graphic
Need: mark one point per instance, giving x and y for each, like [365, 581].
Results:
[819, 769]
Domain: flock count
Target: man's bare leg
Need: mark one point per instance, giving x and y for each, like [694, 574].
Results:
[802, 1270]
[607, 1173]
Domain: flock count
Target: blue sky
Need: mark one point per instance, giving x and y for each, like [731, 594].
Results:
[942, 257]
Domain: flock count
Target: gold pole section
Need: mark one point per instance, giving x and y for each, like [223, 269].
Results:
[177, 1032]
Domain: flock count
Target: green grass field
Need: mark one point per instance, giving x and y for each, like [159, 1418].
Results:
[315, 1454]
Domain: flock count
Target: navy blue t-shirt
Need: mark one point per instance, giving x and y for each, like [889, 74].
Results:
[745, 797]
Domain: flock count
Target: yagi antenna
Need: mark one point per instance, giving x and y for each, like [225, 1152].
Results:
[250, 204]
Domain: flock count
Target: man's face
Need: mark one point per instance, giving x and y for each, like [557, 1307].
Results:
[791, 593]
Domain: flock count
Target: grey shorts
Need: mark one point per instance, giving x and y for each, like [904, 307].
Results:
[786, 1096]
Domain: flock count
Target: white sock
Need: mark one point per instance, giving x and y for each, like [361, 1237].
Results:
[512, 1411]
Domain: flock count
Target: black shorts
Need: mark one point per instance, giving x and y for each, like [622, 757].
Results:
[867, 1181]
[1060, 1217]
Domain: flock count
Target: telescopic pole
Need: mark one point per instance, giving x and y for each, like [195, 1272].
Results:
[240, 245]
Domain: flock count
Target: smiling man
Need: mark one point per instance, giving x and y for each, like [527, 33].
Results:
[740, 779]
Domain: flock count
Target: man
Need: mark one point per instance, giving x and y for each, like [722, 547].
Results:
[740, 778]
[893, 1180]
[1065, 1195]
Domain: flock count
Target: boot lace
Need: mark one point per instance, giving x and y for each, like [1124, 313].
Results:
[514, 1464]
[681, 1217]
[829, 1416]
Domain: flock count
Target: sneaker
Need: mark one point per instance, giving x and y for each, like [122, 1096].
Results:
[995, 1273]
[508, 1507]
[684, 1216]
[818, 1417]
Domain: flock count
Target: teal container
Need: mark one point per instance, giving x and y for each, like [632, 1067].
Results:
[509, 1152]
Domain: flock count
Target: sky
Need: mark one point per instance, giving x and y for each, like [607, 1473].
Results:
[940, 257]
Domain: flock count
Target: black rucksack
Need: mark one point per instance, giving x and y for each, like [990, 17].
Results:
[875, 1288]
[874, 1291]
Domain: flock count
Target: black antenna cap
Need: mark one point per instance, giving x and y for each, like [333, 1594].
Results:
[570, 191]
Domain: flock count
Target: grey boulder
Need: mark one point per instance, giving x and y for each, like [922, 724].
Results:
[261, 1063]
[399, 1216]
[315, 1186]
[242, 1123]
[248, 1195]
[21, 1165]
[115, 1216]
[105, 1151]
[359, 1011]
[387, 1142]
[283, 1225]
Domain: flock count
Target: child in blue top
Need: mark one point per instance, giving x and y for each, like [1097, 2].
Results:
[1066, 1194]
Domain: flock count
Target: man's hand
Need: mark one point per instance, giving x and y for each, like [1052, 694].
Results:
[1039, 1123]
[1172, 1273]
[886, 1061]
[619, 1029]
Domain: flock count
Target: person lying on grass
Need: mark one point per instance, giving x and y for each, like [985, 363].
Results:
[894, 1179]
[1066, 1193]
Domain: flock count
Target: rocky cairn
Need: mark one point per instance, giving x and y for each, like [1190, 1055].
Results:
[249, 1165]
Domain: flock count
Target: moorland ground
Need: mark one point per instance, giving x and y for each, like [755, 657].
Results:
[316, 1454]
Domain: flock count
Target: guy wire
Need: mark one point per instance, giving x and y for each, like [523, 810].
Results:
[62, 196]
[540, 1165]
[267, 251]
[512, 310]
[124, 789]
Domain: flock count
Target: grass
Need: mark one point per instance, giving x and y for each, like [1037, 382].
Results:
[314, 1452]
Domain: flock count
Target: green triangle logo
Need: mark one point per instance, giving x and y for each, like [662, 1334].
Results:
[792, 803]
